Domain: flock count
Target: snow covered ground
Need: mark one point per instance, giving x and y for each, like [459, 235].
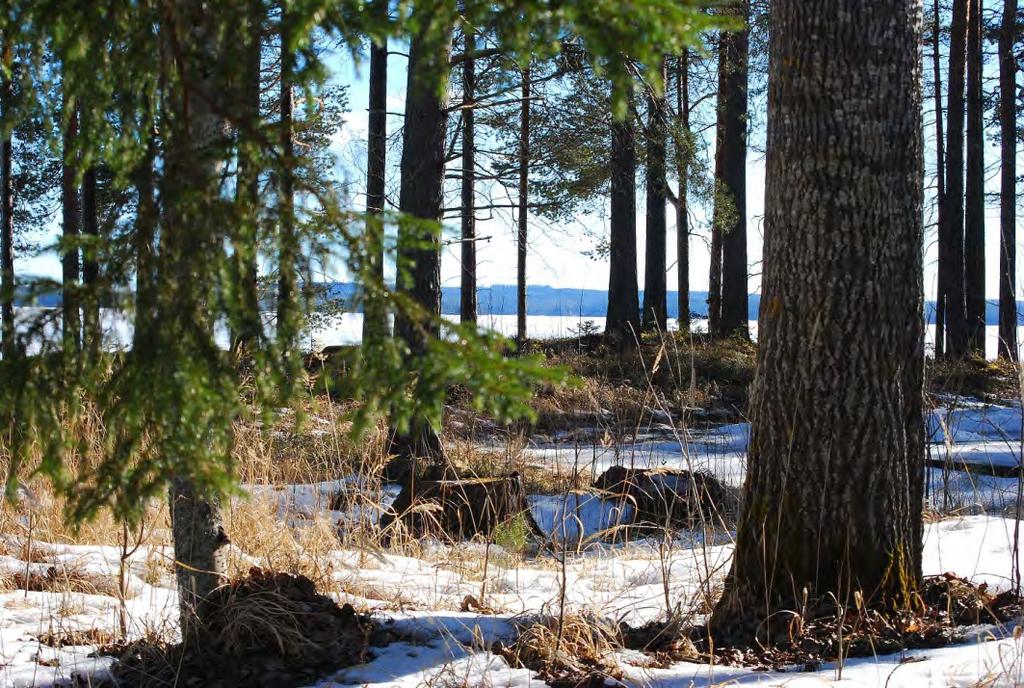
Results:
[422, 595]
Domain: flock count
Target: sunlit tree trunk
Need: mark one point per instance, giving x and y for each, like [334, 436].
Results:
[468, 307]
[287, 325]
[952, 232]
[623, 319]
[730, 214]
[682, 202]
[1008, 184]
[832, 499]
[90, 266]
[524, 182]
[6, 217]
[421, 203]
[193, 163]
[940, 182]
[655, 309]
[974, 214]
[70, 229]
[247, 191]
[375, 322]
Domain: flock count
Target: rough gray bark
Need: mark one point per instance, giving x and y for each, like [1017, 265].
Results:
[952, 231]
[974, 213]
[623, 320]
[193, 165]
[730, 213]
[655, 309]
[833, 492]
[524, 212]
[682, 197]
[468, 308]
[70, 229]
[9, 348]
[199, 540]
[1008, 184]
[940, 181]
[421, 203]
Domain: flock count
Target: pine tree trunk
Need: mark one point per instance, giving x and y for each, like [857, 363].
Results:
[683, 154]
[199, 539]
[468, 309]
[833, 491]
[940, 184]
[287, 327]
[952, 234]
[143, 239]
[1008, 184]
[623, 320]
[90, 267]
[974, 215]
[193, 165]
[731, 178]
[375, 319]
[71, 229]
[655, 309]
[247, 191]
[524, 181]
[421, 203]
[7, 333]
[715, 277]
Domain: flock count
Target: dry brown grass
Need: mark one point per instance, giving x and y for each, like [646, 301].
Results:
[571, 645]
[64, 579]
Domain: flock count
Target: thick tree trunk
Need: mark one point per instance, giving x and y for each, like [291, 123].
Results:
[468, 308]
[90, 267]
[71, 229]
[421, 203]
[1008, 184]
[655, 310]
[193, 162]
[974, 215]
[247, 191]
[952, 233]
[730, 213]
[623, 319]
[940, 182]
[683, 154]
[524, 181]
[375, 319]
[833, 492]
[9, 347]
[199, 540]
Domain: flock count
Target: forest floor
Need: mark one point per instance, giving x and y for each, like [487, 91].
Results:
[517, 610]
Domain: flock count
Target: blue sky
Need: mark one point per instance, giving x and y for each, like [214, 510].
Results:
[556, 253]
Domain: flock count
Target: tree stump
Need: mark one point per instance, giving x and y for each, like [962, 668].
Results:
[665, 497]
[459, 507]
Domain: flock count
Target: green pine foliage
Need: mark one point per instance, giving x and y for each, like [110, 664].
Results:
[135, 72]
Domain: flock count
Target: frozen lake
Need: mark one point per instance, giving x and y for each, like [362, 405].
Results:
[347, 328]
